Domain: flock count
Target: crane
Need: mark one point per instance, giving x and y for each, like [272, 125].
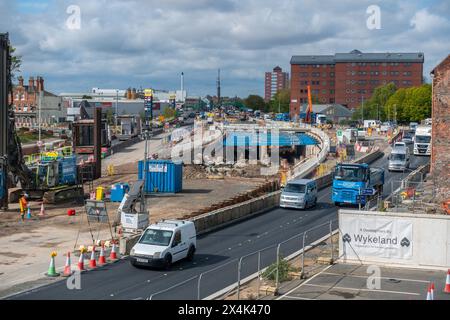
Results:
[308, 118]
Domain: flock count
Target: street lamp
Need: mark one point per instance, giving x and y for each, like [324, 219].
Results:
[117, 102]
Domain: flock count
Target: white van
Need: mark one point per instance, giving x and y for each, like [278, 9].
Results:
[299, 194]
[399, 158]
[164, 243]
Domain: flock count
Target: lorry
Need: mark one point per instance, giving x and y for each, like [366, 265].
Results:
[356, 183]
[371, 123]
[422, 141]
[347, 136]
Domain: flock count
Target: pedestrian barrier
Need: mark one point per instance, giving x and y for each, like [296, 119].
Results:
[264, 271]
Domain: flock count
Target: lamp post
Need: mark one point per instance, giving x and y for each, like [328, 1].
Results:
[117, 110]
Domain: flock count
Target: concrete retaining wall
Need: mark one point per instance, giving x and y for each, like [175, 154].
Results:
[222, 217]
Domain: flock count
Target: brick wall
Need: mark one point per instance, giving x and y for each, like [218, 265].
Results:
[440, 153]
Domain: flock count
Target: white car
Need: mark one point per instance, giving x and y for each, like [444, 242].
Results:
[164, 243]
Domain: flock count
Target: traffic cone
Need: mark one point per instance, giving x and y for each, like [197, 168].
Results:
[51, 269]
[81, 262]
[447, 283]
[429, 293]
[101, 259]
[67, 268]
[432, 291]
[29, 213]
[113, 255]
[92, 263]
[42, 212]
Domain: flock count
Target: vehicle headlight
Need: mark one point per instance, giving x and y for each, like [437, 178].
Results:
[156, 255]
[132, 252]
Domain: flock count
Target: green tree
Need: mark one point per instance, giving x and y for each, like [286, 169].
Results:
[255, 102]
[169, 113]
[374, 107]
[411, 104]
[110, 117]
[280, 101]
[16, 62]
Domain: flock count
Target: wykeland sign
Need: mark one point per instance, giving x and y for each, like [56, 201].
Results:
[376, 237]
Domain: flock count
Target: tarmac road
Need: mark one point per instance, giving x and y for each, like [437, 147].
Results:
[225, 246]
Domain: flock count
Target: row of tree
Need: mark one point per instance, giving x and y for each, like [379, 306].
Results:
[403, 105]
[279, 103]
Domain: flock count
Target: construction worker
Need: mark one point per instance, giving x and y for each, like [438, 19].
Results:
[23, 204]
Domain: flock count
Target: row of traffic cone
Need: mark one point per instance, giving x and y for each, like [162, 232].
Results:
[92, 262]
[430, 292]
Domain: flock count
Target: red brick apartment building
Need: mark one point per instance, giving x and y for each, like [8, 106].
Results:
[274, 81]
[350, 78]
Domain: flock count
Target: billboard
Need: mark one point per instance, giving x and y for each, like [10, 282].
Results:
[376, 237]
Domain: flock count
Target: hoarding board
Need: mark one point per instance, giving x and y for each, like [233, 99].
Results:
[376, 237]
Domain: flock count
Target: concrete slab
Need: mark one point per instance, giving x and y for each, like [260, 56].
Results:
[350, 282]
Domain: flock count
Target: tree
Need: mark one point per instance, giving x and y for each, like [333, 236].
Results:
[281, 101]
[86, 97]
[169, 113]
[110, 117]
[410, 104]
[16, 62]
[374, 107]
[255, 102]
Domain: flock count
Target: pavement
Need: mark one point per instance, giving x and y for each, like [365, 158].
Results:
[357, 282]
[218, 253]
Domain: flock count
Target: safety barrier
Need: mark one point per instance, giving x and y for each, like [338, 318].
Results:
[274, 265]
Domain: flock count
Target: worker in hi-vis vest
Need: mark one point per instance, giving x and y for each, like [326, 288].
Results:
[23, 204]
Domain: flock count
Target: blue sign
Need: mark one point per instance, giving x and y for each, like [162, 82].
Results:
[368, 192]
[361, 199]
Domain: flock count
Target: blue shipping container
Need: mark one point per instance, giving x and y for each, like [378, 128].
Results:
[162, 176]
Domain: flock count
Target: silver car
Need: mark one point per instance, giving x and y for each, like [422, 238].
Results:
[399, 159]
[299, 194]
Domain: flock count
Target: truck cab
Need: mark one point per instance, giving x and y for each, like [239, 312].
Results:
[422, 141]
[164, 243]
[354, 183]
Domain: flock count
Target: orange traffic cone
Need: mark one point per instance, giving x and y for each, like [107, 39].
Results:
[113, 255]
[432, 291]
[429, 293]
[447, 283]
[92, 263]
[81, 262]
[101, 259]
[67, 267]
[42, 212]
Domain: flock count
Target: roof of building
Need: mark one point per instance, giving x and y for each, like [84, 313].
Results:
[323, 59]
[334, 109]
[358, 56]
[434, 69]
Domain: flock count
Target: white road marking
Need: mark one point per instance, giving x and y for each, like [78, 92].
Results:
[383, 278]
[298, 298]
[362, 289]
[303, 283]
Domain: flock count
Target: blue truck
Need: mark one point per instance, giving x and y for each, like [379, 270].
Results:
[356, 183]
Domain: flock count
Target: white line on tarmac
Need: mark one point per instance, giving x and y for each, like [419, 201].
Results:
[297, 298]
[303, 283]
[361, 289]
[365, 277]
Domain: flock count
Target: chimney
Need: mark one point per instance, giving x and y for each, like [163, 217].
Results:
[38, 84]
[20, 81]
[41, 84]
[31, 83]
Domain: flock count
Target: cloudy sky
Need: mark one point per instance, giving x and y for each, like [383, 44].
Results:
[132, 43]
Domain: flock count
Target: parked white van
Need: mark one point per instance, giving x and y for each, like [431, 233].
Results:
[164, 243]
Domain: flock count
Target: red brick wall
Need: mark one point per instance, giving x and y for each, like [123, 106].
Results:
[343, 86]
[440, 152]
[325, 88]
